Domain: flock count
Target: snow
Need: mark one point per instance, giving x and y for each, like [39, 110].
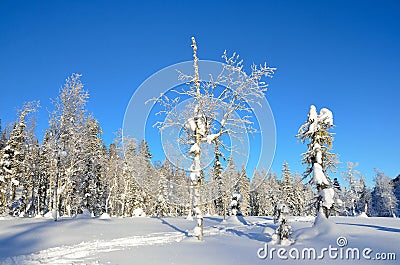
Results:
[14, 182]
[194, 176]
[49, 215]
[223, 122]
[212, 137]
[197, 231]
[195, 168]
[202, 126]
[318, 152]
[237, 196]
[105, 216]
[195, 148]
[282, 207]
[139, 212]
[318, 175]
[235, 220]
[363, 215]
[168, 241]
[191, 124]
[326, 116]
[321, 227]
[327, 197]
[85, 215]
[269, 231]
[312, 114]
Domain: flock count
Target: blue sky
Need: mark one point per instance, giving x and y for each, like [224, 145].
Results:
[343, 55]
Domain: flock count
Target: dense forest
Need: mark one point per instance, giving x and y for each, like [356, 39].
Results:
[71, 169]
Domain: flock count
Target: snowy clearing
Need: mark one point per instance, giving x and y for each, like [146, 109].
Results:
[168, 240]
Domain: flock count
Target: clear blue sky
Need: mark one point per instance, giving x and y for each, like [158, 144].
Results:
[343, 55]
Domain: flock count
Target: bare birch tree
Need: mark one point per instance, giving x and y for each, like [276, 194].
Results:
[221, 105]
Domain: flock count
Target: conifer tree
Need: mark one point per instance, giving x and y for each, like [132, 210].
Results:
[383, 198]
[217, 178]
[13, 166]
[243, 188]
[318, 158]
[288, 194]
[364, 202]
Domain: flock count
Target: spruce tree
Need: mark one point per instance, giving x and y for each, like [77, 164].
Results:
[243, 188]
[318, 158]
[384, 202]
[14, 166]
[288, 195]
[363, 205]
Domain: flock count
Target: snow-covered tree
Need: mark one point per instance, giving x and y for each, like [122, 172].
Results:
[75, 152]
[47, 171]
[234, 205]
[356, 197]
[3, 138]
[301, 196]
[352, 194]
[309, 200]
[161, 207]
[91, 186]
[257, 192]
[14, 167]
[132, 194]
[146, 179]
[144, 150]
[283, 233]
[384, 202]
[243, 188]
[31, 179]
[287, 186]
[218, 192]
[66, 137]
[396, 183]
[265, 193]
[339, 198]
[213, 110]
[273, 193]
[364, 201]
[230, 178]
[318, 158]
[114, 177]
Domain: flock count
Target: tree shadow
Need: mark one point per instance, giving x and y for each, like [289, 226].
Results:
[215, 219]
[261, 237]
[165, 222]
[381, 228]
[22, 242]
[266, 218]
[26, 238]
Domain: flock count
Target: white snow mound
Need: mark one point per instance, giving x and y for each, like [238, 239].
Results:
[322, 227]
[363, 215]
[235, 220]
[105, 216]
[84, 215]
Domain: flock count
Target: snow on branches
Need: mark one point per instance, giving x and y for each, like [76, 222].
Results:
[319, 160]
[219, 106]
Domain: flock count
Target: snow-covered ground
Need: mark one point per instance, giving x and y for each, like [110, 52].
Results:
[145, 240]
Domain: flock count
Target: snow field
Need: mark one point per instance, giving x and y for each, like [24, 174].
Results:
[169, 241]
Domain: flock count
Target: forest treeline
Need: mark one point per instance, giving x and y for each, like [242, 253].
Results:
[71, 169]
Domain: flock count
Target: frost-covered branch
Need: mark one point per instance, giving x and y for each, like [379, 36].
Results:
[219, 106]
